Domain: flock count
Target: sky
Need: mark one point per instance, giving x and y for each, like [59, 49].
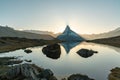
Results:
[83, 16]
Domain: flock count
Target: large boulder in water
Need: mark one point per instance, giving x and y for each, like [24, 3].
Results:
[52, 51]
[69, 35]
[86, 53]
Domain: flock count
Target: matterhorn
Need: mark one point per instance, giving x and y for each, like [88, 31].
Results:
[69, 35]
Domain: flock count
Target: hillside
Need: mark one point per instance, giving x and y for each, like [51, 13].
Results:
[109, 34]
[113, 41]
[10, 32]
[40, 32]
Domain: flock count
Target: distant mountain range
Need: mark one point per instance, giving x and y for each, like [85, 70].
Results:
[40, 32]
[7, 31]
[10, 32]
[109, 34]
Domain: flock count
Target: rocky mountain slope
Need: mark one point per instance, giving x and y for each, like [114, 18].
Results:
[40, 32]
[69, 35]
[10, 32]
[109, 34]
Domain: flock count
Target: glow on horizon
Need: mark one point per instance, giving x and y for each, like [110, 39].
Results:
[83, 16]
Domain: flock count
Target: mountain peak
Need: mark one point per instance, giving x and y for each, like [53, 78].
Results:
[69, 35]
[67, 27]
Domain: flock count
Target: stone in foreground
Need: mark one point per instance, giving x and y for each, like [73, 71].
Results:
[28, 72]
[115, 74]
[79, 77]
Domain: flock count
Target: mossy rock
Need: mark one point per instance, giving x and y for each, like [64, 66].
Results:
[115, 74]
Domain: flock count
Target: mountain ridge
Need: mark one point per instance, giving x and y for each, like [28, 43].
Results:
[6, 31]
[69, 35]
[113, 41]
[112, 33]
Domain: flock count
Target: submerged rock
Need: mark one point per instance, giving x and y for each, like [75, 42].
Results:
[79, 77]
[115, 74]
[69, 35]
[27, 50]
[86, 53]
[52, 51]
[28, 60]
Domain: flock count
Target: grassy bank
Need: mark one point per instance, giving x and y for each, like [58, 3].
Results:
[14, 43]
[113, 41]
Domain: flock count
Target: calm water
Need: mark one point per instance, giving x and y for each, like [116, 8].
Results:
[97, 66]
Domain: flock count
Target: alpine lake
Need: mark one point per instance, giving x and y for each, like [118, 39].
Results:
[96, 66]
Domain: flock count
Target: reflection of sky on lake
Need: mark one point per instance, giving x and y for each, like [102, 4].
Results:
[97, 66]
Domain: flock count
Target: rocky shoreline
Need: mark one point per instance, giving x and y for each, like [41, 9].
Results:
[29, 71]
[32, 72]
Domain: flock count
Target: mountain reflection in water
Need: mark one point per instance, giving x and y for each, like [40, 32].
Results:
[69, 45]
[53, 51]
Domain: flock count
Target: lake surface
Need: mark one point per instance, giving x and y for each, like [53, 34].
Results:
[97, 66]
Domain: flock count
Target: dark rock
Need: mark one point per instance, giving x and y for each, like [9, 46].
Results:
[86, 53]
[79, 77]
[63, 79]
[28, 60]
[28, 51]
[28, 72]
[52, 51]
[115, 74]
[47, 73]
[9, 61]
[52, 78]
